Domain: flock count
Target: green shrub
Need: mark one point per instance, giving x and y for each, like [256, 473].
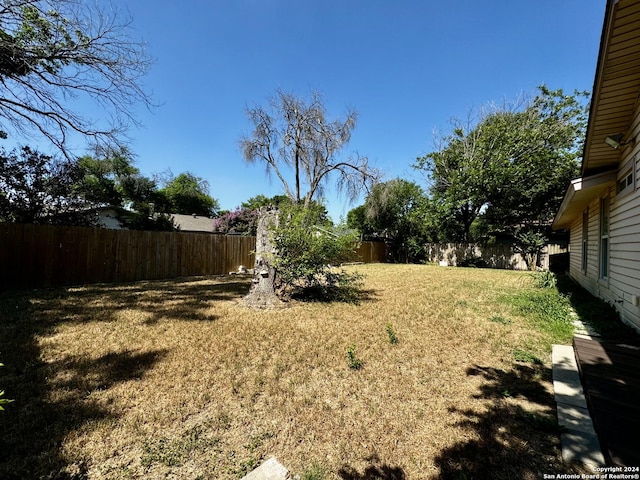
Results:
[545, 279]
[310, 251]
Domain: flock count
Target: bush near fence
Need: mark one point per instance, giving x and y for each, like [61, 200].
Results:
[34, 256]
[493, 256]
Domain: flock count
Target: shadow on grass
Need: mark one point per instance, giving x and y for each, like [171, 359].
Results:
[506, 440]
[376, 470]
[187, 300]
[53, 399]
[337, 295]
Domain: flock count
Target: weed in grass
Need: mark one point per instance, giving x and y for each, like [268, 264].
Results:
[500, 319]
[393, 338]
[246, 466]
[526, 357]
[354, 362]
[314, 472]
[257, 441]
[172, 453]
[161, 451]
[461, 303]
[243, 465]
[223, 422]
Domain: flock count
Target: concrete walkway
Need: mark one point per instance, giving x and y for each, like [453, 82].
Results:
[578, 438]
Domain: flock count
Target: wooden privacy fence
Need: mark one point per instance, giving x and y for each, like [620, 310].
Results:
[371, 252]
[493, 256]
[34, 256]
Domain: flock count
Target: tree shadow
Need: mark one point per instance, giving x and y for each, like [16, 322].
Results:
[376, 470]
[508, 439]
[53, 398]
[186, 299]
[355, 296]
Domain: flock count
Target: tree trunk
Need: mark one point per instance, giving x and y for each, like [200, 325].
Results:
[262, 293]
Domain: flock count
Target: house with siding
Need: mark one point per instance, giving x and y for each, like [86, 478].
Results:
[601, 209]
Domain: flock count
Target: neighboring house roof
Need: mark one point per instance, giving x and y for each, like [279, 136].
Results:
[111, 217]
[615, 95]
[193, 223]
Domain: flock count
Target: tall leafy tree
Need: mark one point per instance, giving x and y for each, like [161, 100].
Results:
[110, 179]
[188, 194]
[395, 210]
[55, 50]
[509, 170]
[535, 153]
[38, 188]
[296, 141]
[108, 172]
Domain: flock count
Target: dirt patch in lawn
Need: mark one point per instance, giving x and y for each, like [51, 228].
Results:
[175, 379]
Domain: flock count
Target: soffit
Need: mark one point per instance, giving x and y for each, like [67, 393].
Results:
[616, 87]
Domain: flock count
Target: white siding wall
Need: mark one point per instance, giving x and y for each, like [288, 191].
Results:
[623, 282]
[624, 258]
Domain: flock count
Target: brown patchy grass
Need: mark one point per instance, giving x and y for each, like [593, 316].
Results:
[174, 379]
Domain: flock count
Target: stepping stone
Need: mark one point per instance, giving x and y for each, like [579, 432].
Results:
[269, 470]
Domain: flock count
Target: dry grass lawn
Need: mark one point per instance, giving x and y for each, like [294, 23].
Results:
[174, 379]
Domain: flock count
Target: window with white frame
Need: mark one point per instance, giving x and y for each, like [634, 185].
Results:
[625, 182]
[604, 237]
[626, 178]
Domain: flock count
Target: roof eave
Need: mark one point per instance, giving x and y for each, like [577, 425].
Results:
[581, 192]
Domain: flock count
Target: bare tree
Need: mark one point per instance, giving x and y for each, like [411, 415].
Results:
[295, 134]
[55, 51]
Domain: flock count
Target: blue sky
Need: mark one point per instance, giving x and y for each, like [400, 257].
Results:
[407, 67]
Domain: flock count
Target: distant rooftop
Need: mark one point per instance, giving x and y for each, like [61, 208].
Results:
[193, 223]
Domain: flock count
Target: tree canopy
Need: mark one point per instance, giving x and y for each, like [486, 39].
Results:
[294, 137]
[54, 51]
[110, 179]
[397, 210]
[510, 169]
[37, 188]
[188, 194]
